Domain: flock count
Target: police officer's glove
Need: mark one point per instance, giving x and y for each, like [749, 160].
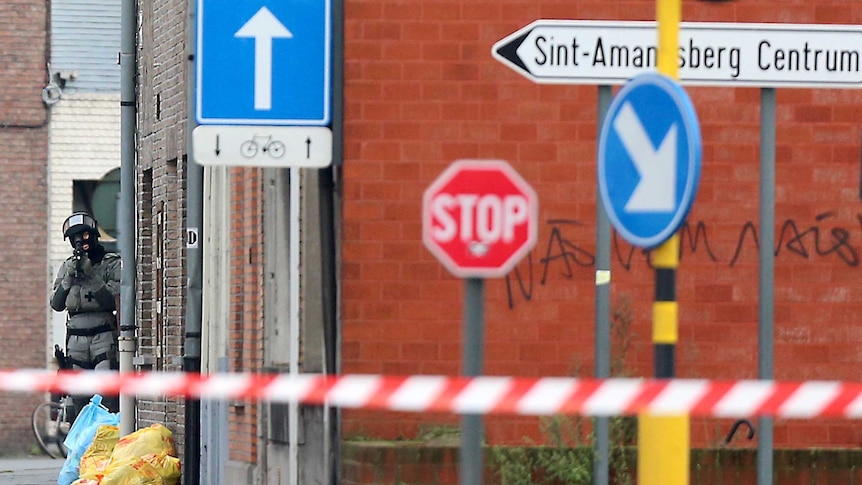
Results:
[67, 281]
[86, 267]
[69, 269]
[70, 266]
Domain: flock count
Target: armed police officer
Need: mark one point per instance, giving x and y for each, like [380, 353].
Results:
[86, 287]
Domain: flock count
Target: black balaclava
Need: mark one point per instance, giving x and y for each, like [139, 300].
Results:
[88, 242]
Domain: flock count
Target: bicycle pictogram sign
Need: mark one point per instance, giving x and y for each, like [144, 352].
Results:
[264, 144]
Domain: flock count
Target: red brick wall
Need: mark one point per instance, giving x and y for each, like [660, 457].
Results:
[23, 192]
[245, 346]
[421, 90]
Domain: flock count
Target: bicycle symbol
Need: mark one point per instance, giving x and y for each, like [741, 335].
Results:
[266, 144]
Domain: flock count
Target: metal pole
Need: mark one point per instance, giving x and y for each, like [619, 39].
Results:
[767, 274]
[471, 424]
[126, 207]
[330, 190]
[601, 460]
[663, 451]
[294, 320]
[194, 265]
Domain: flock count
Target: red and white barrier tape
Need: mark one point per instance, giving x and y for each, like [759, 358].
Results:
[478, 395]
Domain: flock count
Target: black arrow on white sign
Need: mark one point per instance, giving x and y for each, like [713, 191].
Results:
[509, 51]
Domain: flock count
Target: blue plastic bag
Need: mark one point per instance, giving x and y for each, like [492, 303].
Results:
[81, 436]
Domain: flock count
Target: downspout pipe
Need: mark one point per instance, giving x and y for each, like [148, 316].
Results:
[194, 264]
[126, 206]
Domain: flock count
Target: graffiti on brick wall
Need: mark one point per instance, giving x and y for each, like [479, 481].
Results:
[562, 251]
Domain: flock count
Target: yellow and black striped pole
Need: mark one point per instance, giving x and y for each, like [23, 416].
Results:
[663, 451]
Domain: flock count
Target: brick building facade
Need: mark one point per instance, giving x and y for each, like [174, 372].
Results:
[161, 175]
[245, 304]
[421, 90]
[56, 132]
[23, 190]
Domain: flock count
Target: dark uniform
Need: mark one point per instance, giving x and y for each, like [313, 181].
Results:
[86, 287]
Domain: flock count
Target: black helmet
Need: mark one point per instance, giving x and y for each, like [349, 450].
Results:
[80, 222]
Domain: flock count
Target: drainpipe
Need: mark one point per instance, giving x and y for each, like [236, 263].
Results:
[194, 265]
[126, 207]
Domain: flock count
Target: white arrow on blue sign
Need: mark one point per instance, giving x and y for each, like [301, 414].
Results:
[263, 62]
[649, 159]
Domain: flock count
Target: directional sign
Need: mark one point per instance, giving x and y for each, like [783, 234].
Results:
[263, 62]
[649, 159]
[479, 217]
[722, 54]
[263, 146]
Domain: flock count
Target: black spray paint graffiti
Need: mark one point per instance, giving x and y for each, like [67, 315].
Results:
[563, 254]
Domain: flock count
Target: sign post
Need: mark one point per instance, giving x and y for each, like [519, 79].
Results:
[709, 54]
[649, 159]
[765, 56]
[663, 459]
[479, 218]
[263, 83]
[263, 98]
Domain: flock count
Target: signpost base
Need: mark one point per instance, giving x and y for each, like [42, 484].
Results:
[666, 460]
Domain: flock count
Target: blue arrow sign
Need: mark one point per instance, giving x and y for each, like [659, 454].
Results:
[649, 159]
[263, 62]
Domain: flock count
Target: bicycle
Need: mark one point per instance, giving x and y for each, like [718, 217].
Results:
[53, 419]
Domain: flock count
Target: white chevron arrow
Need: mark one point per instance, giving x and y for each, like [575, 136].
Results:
[656, 190]
[263, 27]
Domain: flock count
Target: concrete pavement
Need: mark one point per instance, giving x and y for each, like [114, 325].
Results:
[29, 470]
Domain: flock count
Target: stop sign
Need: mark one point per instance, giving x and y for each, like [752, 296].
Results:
[479, 218]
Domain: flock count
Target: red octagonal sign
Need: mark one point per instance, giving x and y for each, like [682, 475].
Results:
[479, 218]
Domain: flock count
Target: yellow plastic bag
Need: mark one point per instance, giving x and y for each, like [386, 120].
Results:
[167, 466]
[150, 469]
[153, 439]
[145, 457]
[98, 454]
